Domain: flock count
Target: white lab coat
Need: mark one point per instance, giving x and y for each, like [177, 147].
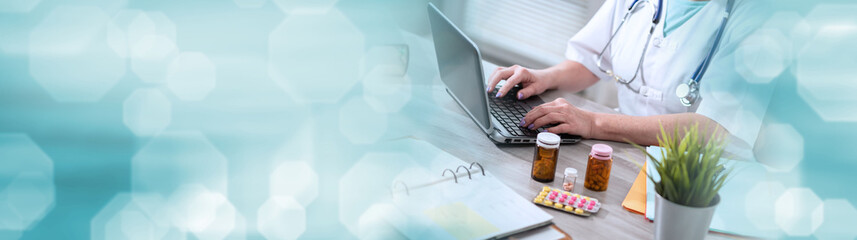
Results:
[725, 96]
[670, 60]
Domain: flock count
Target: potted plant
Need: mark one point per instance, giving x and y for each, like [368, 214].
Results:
[691, 172]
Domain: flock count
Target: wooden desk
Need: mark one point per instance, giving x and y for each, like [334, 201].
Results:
[456, 133]
[452, 131]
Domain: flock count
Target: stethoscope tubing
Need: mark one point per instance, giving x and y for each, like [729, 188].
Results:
[691, 94]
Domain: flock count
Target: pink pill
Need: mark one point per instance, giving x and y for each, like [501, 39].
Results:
[583, 200]
[573, 198]
[591, 204]
[580, 205]
[589, 208]
[552, 197]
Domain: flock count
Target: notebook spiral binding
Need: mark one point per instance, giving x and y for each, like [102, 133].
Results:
[398, 183]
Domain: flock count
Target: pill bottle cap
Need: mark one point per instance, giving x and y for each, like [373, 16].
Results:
[548, 140]
[601, 151]
[571, 171]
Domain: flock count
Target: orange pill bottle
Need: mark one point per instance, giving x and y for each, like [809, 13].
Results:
[545, 157]
[598, 168]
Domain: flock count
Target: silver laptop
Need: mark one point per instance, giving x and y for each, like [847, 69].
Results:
[460, 65]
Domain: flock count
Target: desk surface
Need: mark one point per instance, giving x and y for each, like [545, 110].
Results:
[512, 164]
[455, 133]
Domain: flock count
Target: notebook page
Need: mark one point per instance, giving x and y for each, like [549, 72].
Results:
[477, 208]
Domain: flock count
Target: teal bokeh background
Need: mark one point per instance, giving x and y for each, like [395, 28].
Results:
[251, 120]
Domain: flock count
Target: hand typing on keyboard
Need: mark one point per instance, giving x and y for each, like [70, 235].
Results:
[509, 112]
[566, 117]
[532, 82]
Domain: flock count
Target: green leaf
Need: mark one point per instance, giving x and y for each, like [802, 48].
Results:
[692, 171]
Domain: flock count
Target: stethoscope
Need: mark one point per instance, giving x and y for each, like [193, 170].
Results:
[688, 92]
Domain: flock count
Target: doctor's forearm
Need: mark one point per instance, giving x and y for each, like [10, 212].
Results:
[570, 76]
[644, 130]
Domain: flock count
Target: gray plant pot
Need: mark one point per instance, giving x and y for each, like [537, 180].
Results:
[674, 221]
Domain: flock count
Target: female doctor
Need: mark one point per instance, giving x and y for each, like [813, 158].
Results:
[650, 48]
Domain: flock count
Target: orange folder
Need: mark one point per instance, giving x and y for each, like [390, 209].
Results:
[635, 201]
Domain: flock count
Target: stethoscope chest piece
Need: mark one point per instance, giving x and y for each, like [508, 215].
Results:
[687, 93]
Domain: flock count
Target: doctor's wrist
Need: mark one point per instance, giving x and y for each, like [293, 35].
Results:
[596, 122]
[548, 78]
[570, 76]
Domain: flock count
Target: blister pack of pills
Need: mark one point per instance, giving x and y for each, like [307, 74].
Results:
[567, 202]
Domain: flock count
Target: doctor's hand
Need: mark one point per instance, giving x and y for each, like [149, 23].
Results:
[568, 118]
[532, 82]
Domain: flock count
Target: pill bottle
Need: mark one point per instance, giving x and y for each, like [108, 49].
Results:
[545, 157]
[568, 179]
[598, 168]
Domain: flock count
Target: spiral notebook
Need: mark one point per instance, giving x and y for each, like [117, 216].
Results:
[457, 200]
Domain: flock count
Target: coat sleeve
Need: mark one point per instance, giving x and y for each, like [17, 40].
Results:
[588, 42]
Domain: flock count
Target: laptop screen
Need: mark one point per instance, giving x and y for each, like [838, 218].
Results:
[460, 67]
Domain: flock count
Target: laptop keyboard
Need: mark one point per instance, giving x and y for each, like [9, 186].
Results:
[509, 112]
